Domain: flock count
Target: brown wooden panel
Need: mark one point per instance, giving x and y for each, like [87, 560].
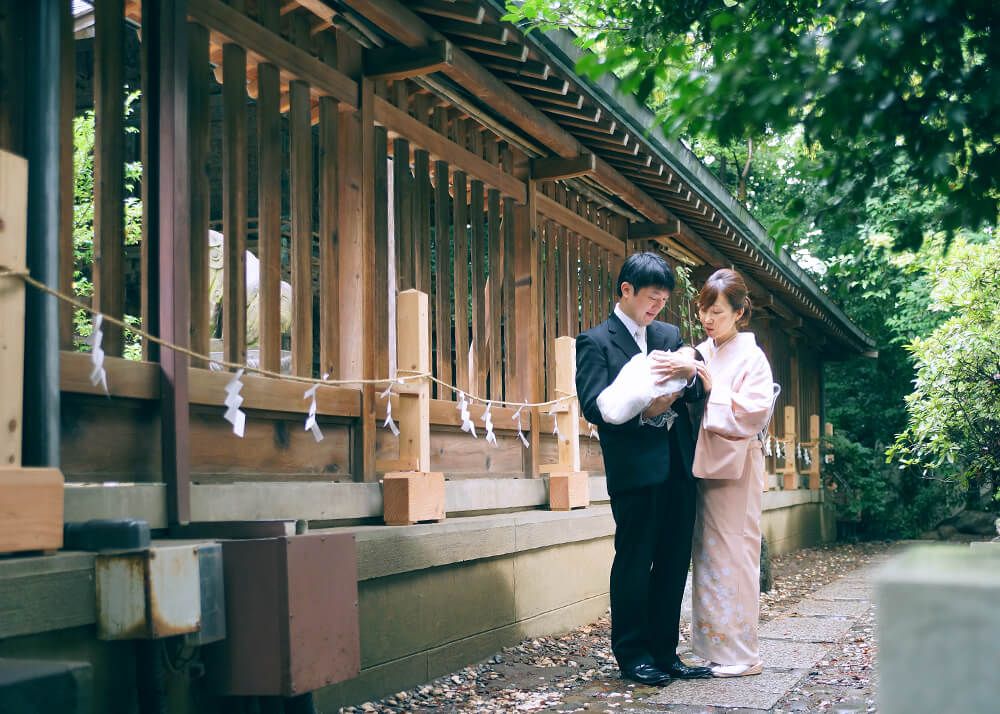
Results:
[422, 192]
[301, 193]
[442, 266]
[495, 288]
[234, 207]
[402, 188]
[460, 263]
[509, 335]
[199, 140]
[110, 439]
[477, 223]
[551, 310]
[109, 161]
[381, 254]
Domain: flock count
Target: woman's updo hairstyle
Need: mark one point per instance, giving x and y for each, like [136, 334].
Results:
[730, 284]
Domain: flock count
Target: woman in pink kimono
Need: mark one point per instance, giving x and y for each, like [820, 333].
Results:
[729, 465]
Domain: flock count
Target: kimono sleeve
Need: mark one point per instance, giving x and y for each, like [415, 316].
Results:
[741, 409]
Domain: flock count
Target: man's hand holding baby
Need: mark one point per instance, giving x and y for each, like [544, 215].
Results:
[669, 365]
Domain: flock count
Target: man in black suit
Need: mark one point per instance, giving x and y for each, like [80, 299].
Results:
[647, 461]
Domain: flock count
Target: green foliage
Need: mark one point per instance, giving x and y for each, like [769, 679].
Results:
[954, 411]
[879, 499]
[871, 84]
[83, 223]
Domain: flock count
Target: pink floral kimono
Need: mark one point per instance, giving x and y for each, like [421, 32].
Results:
[729, 463]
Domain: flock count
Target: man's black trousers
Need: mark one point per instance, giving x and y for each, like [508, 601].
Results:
[653, 528]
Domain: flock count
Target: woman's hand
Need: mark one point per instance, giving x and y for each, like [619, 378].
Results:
[667, 365]
[706, 376]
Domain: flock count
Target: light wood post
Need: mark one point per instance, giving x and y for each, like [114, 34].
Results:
[413, 493]
[568, 486]
[790, 469]
[828, 430]
[31, 499]
[813, 446]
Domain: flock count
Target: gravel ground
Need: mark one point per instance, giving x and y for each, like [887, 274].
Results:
[576, 672]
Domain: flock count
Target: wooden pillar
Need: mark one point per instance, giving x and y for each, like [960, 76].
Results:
[790, 469]
[171, 216]
[13, 243]
[814, 478]
[568, 486]
[414, 493]
[528, 314]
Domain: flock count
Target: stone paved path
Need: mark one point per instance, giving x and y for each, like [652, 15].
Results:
[819, 657]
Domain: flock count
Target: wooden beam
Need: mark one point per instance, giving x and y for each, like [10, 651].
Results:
[559, 168]
[495, 34]
[234, 210]
[271, 47]
[400, 61]
[517, 53]
[643, 231]
[529, 68]
[579, 225]
[442, 149]
[13, 251]
[465, 12]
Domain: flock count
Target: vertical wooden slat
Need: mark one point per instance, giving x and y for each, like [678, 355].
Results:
[234, 207]
[477, 222]
[109, 161]
[550, 308]
[199, 137]
[509, 337]
[602, 286]
[269, 168]
[460, 223]
[442, 265]
[329, 304]
[528, 299]
[402, 181]
[67, 99]
[381, 254]
[300, 190]
[422, 220]
[495, 289]
[595, 279]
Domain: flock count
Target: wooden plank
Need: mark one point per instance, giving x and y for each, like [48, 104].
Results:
[414, 355]
[442, 265]
[301, 193]
[560, 168]
[381, 254]
[402, 187]
[440, 148]
[477, 223]
[269, 214]
[601, 305]
[67, 99]
[650, 230]
[551, 309]
[460, 263]
[270, 47]
[199, 138]
[580, 225]
[109, 160]
[466, 12]
[401, 62]
[595, 281]
[422, 192]
[509, 333]
[234, 207]
[13, 255]
[494, 290]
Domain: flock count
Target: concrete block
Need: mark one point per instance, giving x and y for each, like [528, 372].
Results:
[760, 692]
[404, 614]
[985, 547]
[540, 529]
[939, 631]
[844, 590]
[564, 619]
[374, 683]
[42, 686]
[550, 578]
[786, 654]
[837, 608]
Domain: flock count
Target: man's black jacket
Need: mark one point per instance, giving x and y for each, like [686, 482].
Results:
[634, 455]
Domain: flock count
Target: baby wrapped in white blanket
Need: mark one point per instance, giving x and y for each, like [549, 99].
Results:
[636, 387]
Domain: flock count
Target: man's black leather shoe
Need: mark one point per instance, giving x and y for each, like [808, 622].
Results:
[646, 674]
[679, 670]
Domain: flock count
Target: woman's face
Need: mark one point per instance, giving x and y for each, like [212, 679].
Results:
[719, 319]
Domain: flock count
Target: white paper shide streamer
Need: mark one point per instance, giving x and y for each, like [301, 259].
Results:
[234, 415]
[389, 423]
[98, 375]
[311, 424]
[555, 422]
[767, 447]
[593, 432]
[520, 426]
[491, 438]
[463, 411]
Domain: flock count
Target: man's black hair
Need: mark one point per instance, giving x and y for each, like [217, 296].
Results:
[642, 270]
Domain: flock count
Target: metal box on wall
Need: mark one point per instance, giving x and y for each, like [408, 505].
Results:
[148, 594]
[291, 615]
